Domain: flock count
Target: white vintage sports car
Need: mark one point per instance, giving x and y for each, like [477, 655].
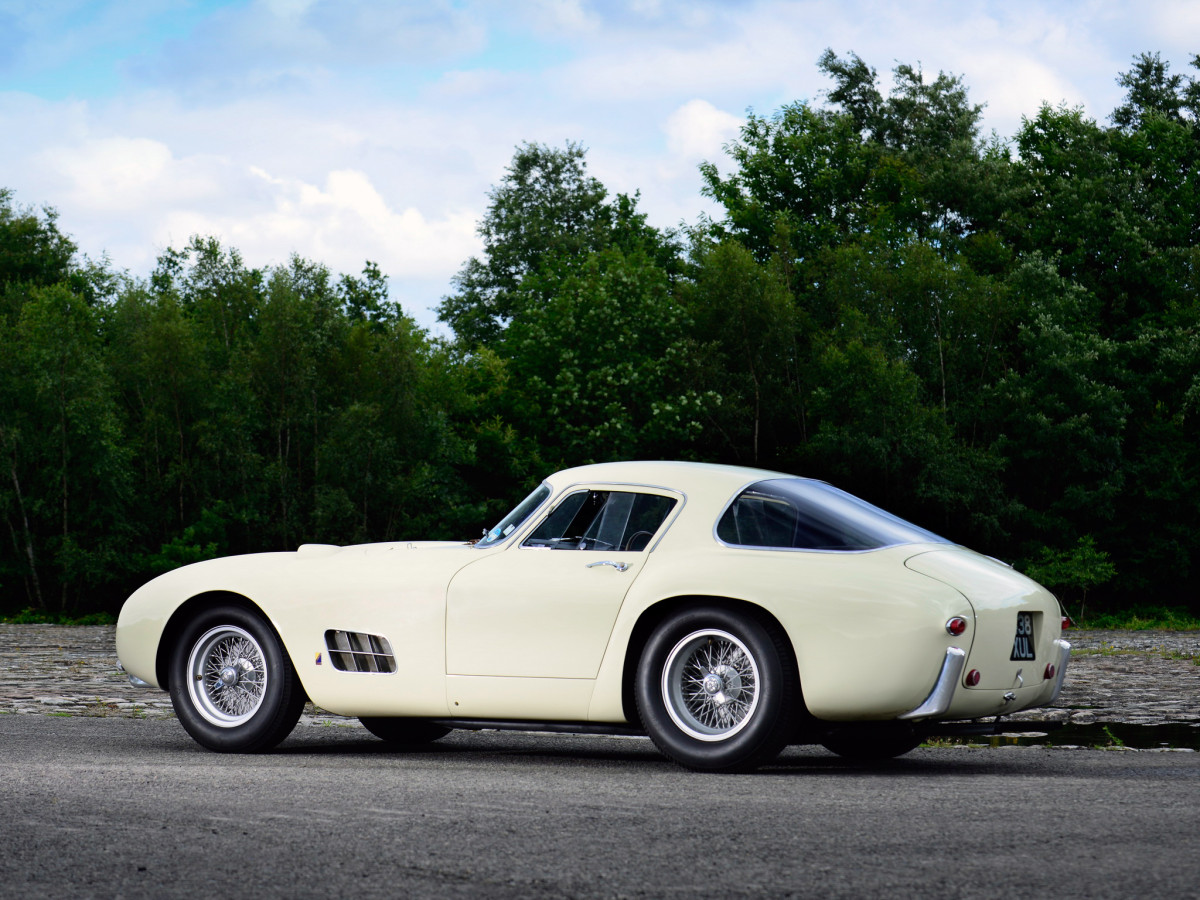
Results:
[726, 612]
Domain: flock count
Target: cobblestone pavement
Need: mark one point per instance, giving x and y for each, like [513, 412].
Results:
[1129, 677]
[70, 670]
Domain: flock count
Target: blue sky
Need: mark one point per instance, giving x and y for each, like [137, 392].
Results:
[347, 130]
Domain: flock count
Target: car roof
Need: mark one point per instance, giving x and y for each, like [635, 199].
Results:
[681, 476]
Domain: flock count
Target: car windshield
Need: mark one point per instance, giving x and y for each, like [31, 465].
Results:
[513, 520]
[798, 514]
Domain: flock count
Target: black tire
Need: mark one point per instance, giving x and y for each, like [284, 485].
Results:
[744, 700]
[872, 741]
[411, 732]
[233, 685]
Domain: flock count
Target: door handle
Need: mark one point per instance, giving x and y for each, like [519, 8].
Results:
[619, 566]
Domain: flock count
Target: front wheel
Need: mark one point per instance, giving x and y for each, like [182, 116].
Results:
[717, 689]
[232, 684]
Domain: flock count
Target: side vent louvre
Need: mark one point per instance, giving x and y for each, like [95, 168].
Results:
[353, 651]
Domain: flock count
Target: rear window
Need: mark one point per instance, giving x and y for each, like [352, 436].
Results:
[798, 514]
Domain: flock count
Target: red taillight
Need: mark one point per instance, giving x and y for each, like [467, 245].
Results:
[973, 678]
[1050, 671]
[1066, 623]
[956, 626]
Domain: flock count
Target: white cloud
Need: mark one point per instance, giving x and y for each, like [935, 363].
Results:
[132, 197]
[345, 222]
[362, 129]
[698, 130]
[562, 16]
[120, 175]
[291, 46]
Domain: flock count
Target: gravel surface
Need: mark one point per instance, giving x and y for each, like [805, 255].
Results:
[1130, 677]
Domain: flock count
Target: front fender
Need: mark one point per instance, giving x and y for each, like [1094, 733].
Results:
[145, 615]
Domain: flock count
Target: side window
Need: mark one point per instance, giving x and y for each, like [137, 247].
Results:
[602, 520]
[759, 521]
[800, 514]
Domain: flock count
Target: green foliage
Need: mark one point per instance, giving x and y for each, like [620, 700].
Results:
[1002, 346]
[745, 330]
[805, 180]
[596, 368]
[41, 617]
[1057, 402]
[217, 409]
[546, 212]
[1074, 569]
[1152, 92]
[68, 481]
[1142, 617]
[33, 253]
[203, 540]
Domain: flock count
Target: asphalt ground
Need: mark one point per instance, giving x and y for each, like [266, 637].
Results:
[122, 807]
[102, 794]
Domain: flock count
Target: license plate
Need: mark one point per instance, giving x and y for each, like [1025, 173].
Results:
[1023, 642]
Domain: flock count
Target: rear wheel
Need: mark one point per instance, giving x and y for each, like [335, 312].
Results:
[872, 741]
[403, 731]
[232, 684]
[717, 690]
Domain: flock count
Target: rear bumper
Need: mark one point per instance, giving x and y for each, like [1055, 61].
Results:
[947, 700]
[942, 695]
[1064, 657]
[133, 679]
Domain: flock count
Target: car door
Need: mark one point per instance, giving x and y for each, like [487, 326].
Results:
[544, 608]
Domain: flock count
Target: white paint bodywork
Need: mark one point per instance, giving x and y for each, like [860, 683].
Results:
[512, 632]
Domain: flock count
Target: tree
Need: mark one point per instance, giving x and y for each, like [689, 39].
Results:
[805, 180]
[599, 369]
[917, 117]
[546, 209]
[884, 169]
[746, 330]
[33, 252]
[66, 485]
[1075, 569]
[1058, 414]
[1152, 92]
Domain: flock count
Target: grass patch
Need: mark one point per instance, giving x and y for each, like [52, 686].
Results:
[41, 617]
[949, 741]
[1107, 649]
[1113, 740]
[1143, 618]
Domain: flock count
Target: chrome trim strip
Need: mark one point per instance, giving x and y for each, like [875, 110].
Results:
[1064, 656]
[939, 698]
[137, 682]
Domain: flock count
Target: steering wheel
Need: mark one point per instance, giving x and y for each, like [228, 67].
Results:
[644, 536]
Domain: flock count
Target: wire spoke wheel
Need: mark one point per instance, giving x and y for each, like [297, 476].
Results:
[710, 685]
[232, 683]
[227, 676]
[717, 689]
